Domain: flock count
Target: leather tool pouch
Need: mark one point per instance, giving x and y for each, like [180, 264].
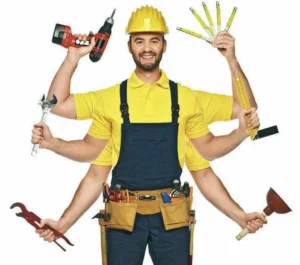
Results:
[175, 214]
[122, 215]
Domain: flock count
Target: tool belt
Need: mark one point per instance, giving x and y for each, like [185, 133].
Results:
[121, 215]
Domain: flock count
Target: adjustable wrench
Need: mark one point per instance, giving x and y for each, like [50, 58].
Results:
[47, 105]
[34, 220]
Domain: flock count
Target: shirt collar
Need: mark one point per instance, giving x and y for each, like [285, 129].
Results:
[135, 82]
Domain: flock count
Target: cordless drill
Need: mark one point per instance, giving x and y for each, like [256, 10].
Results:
[63, 36]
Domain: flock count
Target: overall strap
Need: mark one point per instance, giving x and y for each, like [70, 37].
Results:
[123, 99]
[174, 100]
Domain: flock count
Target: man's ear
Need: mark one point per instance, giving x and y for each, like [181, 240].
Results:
[165, 46]
[129, 46]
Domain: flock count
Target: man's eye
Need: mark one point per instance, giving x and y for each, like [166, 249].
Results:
[139, 42]
[154, 41]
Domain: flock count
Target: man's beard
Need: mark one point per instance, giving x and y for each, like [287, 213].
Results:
[148, 67]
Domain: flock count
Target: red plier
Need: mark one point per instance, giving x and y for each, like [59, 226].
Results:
[116, 194]
[34, 220]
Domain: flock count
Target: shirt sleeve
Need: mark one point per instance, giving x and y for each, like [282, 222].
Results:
[193, 160]
[196, 126]
[101, 127]
[216, 107]
[84, 105]
[104, 159]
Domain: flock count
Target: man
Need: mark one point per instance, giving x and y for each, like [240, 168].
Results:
[165, 165]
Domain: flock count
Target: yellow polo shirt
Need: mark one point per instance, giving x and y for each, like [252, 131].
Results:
[216, 108]
[148, 103]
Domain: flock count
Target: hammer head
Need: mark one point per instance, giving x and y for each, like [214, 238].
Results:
[48, 104]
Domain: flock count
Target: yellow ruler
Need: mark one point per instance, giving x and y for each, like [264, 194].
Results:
[195, 34]
[218, 7]
[228, 25]
[255, 134]
[238, 81]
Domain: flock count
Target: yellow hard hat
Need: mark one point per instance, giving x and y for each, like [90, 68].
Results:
[147, 19]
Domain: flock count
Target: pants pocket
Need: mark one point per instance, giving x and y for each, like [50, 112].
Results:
[175, 214]
[122, 215]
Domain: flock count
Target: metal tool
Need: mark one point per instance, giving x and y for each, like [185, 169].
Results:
[175, 193]
[104, 214]
[105, 190]
[116, 194]
[255, 134]
[186, 189]
[47, 105]
[34, 220]
[147, 198]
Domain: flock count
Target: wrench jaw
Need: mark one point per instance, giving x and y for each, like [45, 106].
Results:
[53, 101]
[47, 105]
[20, 215]
[20, 205]
[28, 216]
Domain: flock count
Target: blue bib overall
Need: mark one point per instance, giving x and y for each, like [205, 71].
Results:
[148, 160]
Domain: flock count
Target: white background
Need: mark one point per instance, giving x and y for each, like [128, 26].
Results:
[267, 46]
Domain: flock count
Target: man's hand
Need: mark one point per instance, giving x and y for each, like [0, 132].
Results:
[48, 234]
[76, 54]
[226, 45]
[253, 121]
[42, 135]
[252, 221]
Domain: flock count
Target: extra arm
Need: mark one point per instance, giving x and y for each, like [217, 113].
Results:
[215, 192]
[84, 150]
[86, 194]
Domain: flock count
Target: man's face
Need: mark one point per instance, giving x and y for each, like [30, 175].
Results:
[147, 50]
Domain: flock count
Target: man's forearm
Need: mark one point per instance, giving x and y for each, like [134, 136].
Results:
[61, 84]
[236, 70]
[86, 194]
[78, 150]
[219, 146]
[215, 192]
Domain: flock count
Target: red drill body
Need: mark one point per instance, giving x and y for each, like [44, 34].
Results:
[63, 36]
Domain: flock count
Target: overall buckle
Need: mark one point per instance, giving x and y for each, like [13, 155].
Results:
[175, 110]
[124, 109]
